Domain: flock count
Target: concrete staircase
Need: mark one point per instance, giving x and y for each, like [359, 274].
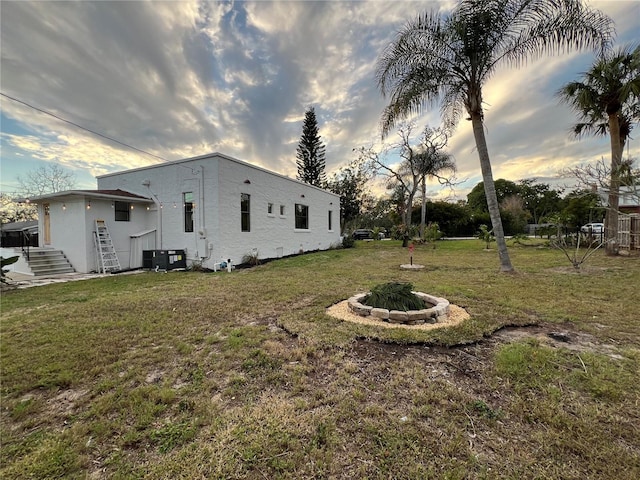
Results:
[47, 261]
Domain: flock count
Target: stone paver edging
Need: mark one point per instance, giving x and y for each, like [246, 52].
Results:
[437, 313]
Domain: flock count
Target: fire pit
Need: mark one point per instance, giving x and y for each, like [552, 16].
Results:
[436, 310]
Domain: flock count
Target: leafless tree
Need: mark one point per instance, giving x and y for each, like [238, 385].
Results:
[50, 178]
[403, 175]
[597, 176]
[432, 161]
[418, 160]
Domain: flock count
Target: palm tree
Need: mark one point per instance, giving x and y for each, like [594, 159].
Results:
[431, 161]
[450, 58]
[607, 102]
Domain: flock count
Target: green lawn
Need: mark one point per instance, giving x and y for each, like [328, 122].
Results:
[243, 375]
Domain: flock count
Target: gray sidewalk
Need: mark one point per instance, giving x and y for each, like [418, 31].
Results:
[25, 281]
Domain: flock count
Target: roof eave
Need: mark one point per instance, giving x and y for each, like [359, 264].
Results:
[90, 194]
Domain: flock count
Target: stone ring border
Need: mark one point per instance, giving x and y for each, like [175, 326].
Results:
[435, 314]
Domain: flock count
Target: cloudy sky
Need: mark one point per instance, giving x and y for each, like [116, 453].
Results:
[185, 78]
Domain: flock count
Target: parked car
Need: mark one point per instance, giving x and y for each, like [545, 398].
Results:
[365, 233]
[592, 228]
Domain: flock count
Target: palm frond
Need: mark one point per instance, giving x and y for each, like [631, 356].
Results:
[610, 87]
[546, 27]
[417, 68]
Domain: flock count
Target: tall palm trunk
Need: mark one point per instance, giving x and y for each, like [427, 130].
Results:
[423, 210]
[490, 191]
[611, 218]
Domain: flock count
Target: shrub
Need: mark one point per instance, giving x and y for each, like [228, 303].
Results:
[394, 296]
[348, 241]
[251, 258]
[486, 236]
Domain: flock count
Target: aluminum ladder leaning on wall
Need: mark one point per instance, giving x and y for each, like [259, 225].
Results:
[107, 258]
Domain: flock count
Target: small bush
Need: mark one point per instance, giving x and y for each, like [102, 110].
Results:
[348, 241]
[394, 296]
[486, 236]
[252, 258]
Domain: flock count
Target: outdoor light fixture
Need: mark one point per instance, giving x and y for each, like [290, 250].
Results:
[64, 206]
[112, 205]
[132, 206]
[174, 205]
[89, 205]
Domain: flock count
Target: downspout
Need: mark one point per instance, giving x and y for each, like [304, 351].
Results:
[202, 198]
[203, 216]
[147, 184]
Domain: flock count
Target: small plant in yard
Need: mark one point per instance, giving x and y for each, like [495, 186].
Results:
[394, 296]
[574, 255]
[404, 233]
[520, 239]
[348, 241]
[251, 258]
[486, 236]
[196, 266]
[432, 233]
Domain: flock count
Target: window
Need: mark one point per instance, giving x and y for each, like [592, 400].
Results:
[187, 201]
[245, 210]
[282, 210]
[330, 221]
[302, 216]
[122, 211]
[270, 208]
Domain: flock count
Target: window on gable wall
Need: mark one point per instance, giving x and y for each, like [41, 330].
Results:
[245, 212]
[282, 210]
[122, 210]
[302, 216]
[187, 201]
[330, 221]
[270, 208]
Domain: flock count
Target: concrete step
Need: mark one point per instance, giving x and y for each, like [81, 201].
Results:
[53, 270]
[48, 262]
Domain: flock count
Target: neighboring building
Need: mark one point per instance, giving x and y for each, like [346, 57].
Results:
[19, 234]
[629, 200]
[213, 207]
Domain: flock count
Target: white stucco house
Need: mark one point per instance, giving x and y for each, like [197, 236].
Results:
[214, 207]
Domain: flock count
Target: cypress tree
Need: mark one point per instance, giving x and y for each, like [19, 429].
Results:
[310, 152]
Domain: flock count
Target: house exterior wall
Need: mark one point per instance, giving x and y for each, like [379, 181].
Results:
[120, 232]
[272, 235]
[166, 185]
[217, 183]
[68, 231]
[72, 229]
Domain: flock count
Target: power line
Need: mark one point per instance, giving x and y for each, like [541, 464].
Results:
[81, 127]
